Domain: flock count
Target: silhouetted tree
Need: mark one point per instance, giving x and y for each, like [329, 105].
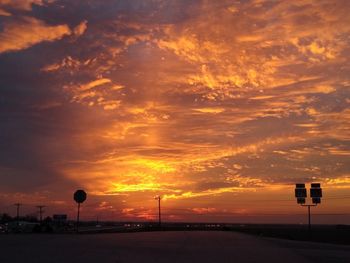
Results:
[47, 220]
[5, 218]
[30, 218]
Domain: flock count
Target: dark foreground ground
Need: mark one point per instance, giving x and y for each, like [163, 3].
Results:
[171, 246]
[335, 234]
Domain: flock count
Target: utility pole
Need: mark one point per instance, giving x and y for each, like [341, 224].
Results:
[40, 207]
[158, 197]
[18, 205]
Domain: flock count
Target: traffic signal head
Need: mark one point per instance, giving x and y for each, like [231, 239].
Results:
[301, 200]
[316, 191]
[316, 200]
[300, 191]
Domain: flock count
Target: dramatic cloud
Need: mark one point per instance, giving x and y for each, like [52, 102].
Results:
[27, 32]
[211, 104]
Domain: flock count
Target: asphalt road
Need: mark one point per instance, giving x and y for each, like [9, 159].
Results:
[164, 247]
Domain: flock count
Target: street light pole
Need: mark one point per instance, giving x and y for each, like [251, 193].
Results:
[159, 213]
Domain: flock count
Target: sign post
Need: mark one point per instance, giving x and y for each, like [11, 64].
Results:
[79, 197]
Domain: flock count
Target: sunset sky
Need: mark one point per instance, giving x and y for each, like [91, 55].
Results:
[219, 106]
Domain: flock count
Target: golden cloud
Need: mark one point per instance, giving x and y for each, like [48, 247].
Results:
[26, 32]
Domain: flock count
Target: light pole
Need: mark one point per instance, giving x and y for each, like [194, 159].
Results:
[158, 197]
[315, 194]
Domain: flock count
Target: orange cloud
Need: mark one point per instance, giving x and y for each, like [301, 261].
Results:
[4, 13]
[26, 32]
[80, 29]
[200, 210]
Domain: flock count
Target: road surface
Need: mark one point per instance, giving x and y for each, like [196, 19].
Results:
[164, 247]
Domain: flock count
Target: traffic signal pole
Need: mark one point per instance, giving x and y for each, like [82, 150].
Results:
[309, 215]
[308, 208]
[315, 194]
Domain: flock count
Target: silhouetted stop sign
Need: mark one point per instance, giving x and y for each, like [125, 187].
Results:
[79, 196]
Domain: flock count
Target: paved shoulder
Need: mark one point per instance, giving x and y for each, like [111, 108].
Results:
[315, 252]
